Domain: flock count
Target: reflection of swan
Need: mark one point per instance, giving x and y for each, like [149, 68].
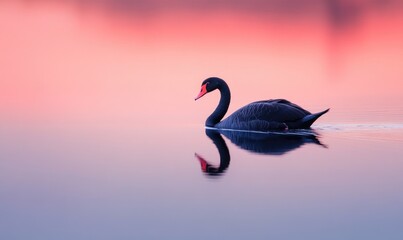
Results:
[222, 148]
[274, 143]
[278, 114]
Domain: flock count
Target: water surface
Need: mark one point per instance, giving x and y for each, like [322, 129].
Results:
[101, 137]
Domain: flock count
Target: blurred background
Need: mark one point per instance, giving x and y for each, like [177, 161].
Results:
[99, 127]
[138, 62]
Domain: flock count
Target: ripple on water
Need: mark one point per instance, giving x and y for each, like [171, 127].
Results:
[364, 131]
[291, 132]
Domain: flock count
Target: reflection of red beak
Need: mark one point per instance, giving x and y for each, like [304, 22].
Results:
[204, 165]
[203, 91]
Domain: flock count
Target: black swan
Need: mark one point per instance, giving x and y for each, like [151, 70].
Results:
[275, 114]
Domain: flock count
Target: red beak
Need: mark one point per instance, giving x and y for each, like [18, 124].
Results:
[203, 91]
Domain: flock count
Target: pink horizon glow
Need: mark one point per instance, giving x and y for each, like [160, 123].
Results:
[58, 63]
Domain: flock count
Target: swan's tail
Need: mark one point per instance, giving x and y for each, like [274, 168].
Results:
[307, 121]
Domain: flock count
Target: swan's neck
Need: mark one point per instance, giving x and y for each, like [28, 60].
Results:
[222, 107]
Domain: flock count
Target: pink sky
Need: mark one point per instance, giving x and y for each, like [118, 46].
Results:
[62, 64]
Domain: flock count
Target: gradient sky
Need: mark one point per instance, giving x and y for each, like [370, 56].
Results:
[62, 62]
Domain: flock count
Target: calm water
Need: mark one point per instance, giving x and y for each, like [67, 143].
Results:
[100, 137]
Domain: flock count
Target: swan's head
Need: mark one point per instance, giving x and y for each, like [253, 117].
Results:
[208, 85]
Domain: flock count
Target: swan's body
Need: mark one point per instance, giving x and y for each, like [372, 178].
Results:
[276, 114]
